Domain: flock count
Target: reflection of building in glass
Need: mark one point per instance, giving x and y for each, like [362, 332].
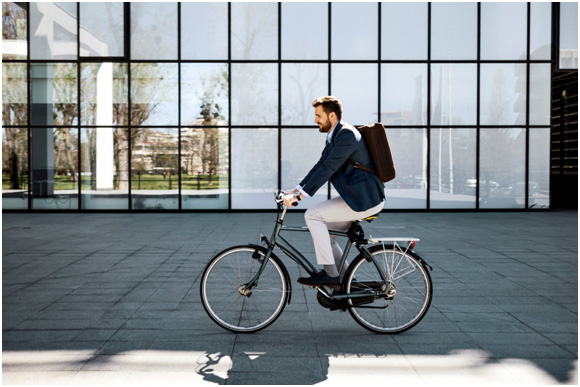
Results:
[157, 151]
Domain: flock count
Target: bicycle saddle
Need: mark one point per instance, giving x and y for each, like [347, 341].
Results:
[372, 217]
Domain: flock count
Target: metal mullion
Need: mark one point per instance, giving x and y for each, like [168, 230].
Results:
[379, 62]
[29, 107]
[527, 137]
[279, 95]
[478, 109]
[555, 40]
[428, 113]
[328, 190]
[179, 198]
[127, 20]
[79, 176]
[229, 63]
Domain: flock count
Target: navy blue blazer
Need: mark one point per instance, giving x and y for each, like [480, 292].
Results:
[360, 190]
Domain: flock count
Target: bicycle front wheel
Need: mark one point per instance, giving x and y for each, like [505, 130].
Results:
[396, 305]
[225, 298]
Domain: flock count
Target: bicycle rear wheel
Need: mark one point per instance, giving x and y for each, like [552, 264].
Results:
[409, 290]
[222, 292]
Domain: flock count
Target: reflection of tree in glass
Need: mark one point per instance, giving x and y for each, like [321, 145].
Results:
[305, 81]
[259, 24]
[13, 25]
[65, 156]
[14, 95]
[14, 112]
[65, 115]
[14, 144]
[213, 88]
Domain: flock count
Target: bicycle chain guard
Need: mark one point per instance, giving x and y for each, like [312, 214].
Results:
[330, 303]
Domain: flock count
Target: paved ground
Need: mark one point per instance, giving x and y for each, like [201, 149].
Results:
[114, 298]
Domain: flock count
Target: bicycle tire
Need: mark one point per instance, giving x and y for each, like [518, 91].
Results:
[408, 279]
[227, 273]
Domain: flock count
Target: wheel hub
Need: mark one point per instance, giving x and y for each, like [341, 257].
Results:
[244, 292]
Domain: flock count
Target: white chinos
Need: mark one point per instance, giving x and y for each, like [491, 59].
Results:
[336, 215]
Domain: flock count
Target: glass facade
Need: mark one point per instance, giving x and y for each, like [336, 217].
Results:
[207, 106]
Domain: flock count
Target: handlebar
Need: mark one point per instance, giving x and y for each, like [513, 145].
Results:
[279, 197]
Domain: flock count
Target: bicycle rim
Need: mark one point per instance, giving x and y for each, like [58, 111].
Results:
[222, 280]
[409, 284]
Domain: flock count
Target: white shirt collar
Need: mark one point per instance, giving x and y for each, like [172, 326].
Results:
[331, 133]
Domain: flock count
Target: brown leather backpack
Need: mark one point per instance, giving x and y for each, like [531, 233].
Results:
[375, 137]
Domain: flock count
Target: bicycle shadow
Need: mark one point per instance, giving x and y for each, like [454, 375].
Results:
[329, 347]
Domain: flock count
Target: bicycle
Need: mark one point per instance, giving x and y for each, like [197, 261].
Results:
[386, 289]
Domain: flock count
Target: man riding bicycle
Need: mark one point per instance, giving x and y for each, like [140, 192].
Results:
[361, 193]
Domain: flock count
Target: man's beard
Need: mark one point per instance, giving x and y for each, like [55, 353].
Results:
[324, 128]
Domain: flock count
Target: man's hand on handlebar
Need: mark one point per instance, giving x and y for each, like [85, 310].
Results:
[290, 200]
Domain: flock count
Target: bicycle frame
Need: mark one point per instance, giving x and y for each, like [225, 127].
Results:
[277, 240]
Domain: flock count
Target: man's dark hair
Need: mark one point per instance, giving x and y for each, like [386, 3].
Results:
[329, 104]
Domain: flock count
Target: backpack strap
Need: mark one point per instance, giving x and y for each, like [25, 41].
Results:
[358, 165]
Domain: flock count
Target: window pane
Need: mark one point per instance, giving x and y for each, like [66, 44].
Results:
[102, 29]
[503, 94]
[502, 168]
[349, 39]
[155, 169]
[454, 31]
[539, 159]
[254, 94]
[104, 95]
[154, 95]
[14, 94]
[409, 188]
[204, 168]
[453, 168]
[540, 94]
[54, 94]
[104, 168]
[254, 30]
[14, 168]
[503, 30]
[154, 30]
[568, 35]
[254, 173]
[301, 84]
[14, 35]
[404, 94]
[304, 30]
[204, 31]
[54, 155]
[404, 31]
[454, 94]
[541, 31]
[54, 30]
[301, 149]
[356, 86]
[204, 94]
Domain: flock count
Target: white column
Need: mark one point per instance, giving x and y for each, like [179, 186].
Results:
[105, 147]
